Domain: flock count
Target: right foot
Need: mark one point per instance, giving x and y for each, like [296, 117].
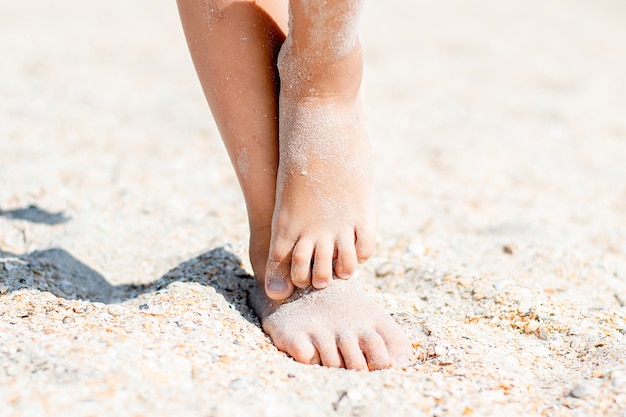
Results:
[324, 211]
[325, 215]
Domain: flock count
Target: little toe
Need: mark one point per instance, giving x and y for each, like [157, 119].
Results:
[328, 351]
[351, 352]
[375, 351]
[301, 263]
[322, 273]
[398, 344]
[346, 259]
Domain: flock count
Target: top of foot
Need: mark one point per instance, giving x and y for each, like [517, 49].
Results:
[339, 326]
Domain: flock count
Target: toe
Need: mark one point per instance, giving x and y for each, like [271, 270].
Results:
[365, 242]
[299, 347]
[278, 285]
[375, 350]
[322, 273]
[398, 344]
[346, 259]
[351, 352]
[301, 263]
[328, 351]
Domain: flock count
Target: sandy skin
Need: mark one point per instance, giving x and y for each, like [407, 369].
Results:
[322, 221]
[321, 327]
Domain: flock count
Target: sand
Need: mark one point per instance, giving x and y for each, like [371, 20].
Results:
[499, 132]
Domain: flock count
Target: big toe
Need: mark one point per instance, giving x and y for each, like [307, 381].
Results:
[277, 287]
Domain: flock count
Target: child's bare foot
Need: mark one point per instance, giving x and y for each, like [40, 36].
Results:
[325, 214]
[339, 326]
[330, 203]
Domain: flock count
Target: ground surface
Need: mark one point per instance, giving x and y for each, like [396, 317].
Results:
[500, 138]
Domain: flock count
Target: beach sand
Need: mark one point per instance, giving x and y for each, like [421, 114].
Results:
[499, 131]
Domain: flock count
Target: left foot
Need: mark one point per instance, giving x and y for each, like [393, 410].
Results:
[325, 212]
[339, 326]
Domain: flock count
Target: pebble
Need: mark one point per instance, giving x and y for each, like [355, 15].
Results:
[501, 284]
[4, 289]
[354, 394]
[465, 282]
[440, 350]
[581, 390]
[156, 310]
[531, 327]
[9, 266]
[237, 383]
[578, 343]
[416, 248]
[384, 269]
[525, 307]
[619, 383]
[618, 379]
[116, 310]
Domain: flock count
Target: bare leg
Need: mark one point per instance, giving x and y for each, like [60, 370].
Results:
[325, 210]
[325, 204]
[234, 45]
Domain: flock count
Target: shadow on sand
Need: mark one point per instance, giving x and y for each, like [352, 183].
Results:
[35, 214]
[58, 272]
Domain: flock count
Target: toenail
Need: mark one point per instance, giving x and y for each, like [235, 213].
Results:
[321, 284]
[277, 285]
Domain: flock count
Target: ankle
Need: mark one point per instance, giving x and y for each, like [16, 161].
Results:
[308, 73]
